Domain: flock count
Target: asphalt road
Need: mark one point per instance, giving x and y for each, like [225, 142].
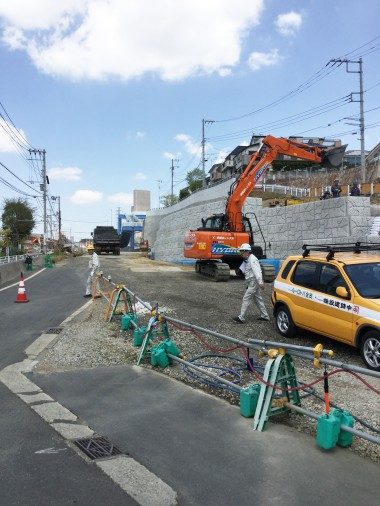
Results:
[36, 466]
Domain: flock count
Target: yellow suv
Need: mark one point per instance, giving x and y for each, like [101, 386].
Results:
[333, 291]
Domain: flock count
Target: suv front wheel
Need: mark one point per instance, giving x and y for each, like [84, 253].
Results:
[284, 322]
[370, 349]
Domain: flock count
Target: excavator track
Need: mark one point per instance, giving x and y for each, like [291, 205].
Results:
[269, 274]
[218, 271]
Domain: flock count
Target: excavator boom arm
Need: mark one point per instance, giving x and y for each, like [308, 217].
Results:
[257, 166]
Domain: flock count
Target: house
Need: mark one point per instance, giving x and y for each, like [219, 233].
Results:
[216, 173]
[228, 166]
[373, 162]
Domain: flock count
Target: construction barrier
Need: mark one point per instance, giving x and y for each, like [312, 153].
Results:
[276, 389]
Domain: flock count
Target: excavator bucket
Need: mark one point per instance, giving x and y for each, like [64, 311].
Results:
[332, 157]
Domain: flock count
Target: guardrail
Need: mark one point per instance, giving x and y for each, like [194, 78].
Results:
[16, 258]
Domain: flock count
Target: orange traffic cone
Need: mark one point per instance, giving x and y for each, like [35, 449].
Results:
[21, 294]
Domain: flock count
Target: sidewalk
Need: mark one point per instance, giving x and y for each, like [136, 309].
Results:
[201, 446]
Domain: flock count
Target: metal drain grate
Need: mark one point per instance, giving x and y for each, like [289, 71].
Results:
[97, 447]
[54, 330]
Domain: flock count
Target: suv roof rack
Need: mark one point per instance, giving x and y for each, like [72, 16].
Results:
[355, 247]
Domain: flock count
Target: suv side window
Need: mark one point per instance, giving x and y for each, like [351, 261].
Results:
[288, 266]
[330, 278]
[304, 274]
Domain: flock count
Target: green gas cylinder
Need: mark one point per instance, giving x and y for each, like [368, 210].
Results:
[345, 438]
[328, 428]
[248, 399]
[138, 335]
[126, 320]
[159, 357]
[171, 347]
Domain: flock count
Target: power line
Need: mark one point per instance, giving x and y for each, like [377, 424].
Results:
[311, 81]
[288, 120]
[13, 174]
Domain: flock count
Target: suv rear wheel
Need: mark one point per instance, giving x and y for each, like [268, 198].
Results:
[370, 349]
[284, 322]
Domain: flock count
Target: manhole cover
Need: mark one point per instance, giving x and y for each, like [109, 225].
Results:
[54, 330]
[97, 447]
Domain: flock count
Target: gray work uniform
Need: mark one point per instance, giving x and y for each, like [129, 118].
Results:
[254, 279]
[93, 265]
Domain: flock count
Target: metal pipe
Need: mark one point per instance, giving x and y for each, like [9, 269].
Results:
[338, 365]
[257, 344]
[298, 409]
[295, 347]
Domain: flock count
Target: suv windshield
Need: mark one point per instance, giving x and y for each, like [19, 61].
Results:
[366, 279]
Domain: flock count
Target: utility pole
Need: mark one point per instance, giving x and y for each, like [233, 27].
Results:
[172, 170]
[159, 182]
[204, 122]
[59, 221]
[361, 102]
[42, 152]
[59, 218]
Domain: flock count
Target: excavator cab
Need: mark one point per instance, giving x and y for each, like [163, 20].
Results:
[214, 222]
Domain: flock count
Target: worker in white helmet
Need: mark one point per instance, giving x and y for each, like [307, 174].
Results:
[93, 266]
[254, 278]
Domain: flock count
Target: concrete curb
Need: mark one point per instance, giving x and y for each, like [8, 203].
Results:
[123, 470]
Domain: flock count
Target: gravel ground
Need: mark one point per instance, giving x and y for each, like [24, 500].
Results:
[88, 341]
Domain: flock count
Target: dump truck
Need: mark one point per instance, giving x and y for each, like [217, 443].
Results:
[106, 240]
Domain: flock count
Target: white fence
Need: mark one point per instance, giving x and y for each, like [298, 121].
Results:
[287, 190]
[14, 258]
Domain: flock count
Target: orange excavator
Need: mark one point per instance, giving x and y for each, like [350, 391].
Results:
[214, 245]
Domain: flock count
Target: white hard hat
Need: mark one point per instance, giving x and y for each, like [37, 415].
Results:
[245, 247]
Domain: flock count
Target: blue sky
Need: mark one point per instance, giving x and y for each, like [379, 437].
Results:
[113, 89]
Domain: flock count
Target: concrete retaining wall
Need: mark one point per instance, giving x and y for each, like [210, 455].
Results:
[345, 219]
[11, 271]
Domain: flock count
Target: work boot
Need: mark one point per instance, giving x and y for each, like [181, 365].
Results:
[237, 319]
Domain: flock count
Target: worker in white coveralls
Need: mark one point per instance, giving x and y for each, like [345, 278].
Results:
[93, 266]
[254, 279]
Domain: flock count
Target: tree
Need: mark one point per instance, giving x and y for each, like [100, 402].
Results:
[18, 220]
[194, 180]
[168, 200]
[184, 193]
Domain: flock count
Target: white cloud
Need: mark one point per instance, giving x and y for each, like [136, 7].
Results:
[125, 199]
[7, 133]
[72, 38]
[65, 173]
[258, 60]
[140, 135]
[139, 176]
[221, 156]
[191, 147]
[224, 71]
[172, 156]
[81, 197]
[287, 24]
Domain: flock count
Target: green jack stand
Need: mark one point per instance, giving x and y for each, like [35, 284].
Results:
[278, 371]
[147, 337]
[119, 295]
